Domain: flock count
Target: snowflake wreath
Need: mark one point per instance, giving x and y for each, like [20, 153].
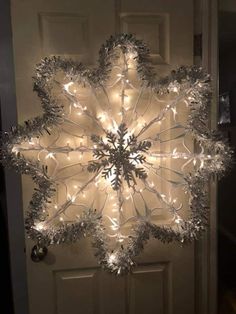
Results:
[118, 154]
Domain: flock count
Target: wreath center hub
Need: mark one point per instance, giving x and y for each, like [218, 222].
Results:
[119, 156]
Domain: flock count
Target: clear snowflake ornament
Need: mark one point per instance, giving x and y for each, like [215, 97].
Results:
[119, 154]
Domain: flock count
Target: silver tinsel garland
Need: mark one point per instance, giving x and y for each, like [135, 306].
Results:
[90, 223]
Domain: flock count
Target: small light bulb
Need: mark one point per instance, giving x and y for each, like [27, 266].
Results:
[31, 142]
[178, 219]
[102, 117]
[67, 86]
[114, 227]
[112, 258]
[50, 155]
[73, 198]
[15, 150]
[39, 226]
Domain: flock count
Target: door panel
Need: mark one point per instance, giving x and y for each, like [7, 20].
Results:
[69, 280]
[55, 26]
[153, 29]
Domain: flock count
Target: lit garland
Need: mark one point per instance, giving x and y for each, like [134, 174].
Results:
[121, 154]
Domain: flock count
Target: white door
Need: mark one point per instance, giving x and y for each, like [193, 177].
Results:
[69, 280]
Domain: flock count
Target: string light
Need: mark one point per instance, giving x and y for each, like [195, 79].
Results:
[112, 258]
[67, 87]
[39, 226]
[124, 160]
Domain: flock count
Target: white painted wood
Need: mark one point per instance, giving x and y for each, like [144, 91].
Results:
[69, 280]
[153, 29]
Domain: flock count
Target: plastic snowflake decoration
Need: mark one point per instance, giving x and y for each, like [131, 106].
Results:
[118, 154]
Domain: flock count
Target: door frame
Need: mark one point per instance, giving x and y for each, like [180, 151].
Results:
[206, 248]
[13, 193]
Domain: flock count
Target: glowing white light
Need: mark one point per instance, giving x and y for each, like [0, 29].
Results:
[102, 117]
[15, 150]
[50, 155]
[108, 108]
[178, 219]
[31, 142]
[114, 227]
[73, 198]
[67, 86]
[112, 258]
[175, 154]
[174, 111]
[39, 226]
